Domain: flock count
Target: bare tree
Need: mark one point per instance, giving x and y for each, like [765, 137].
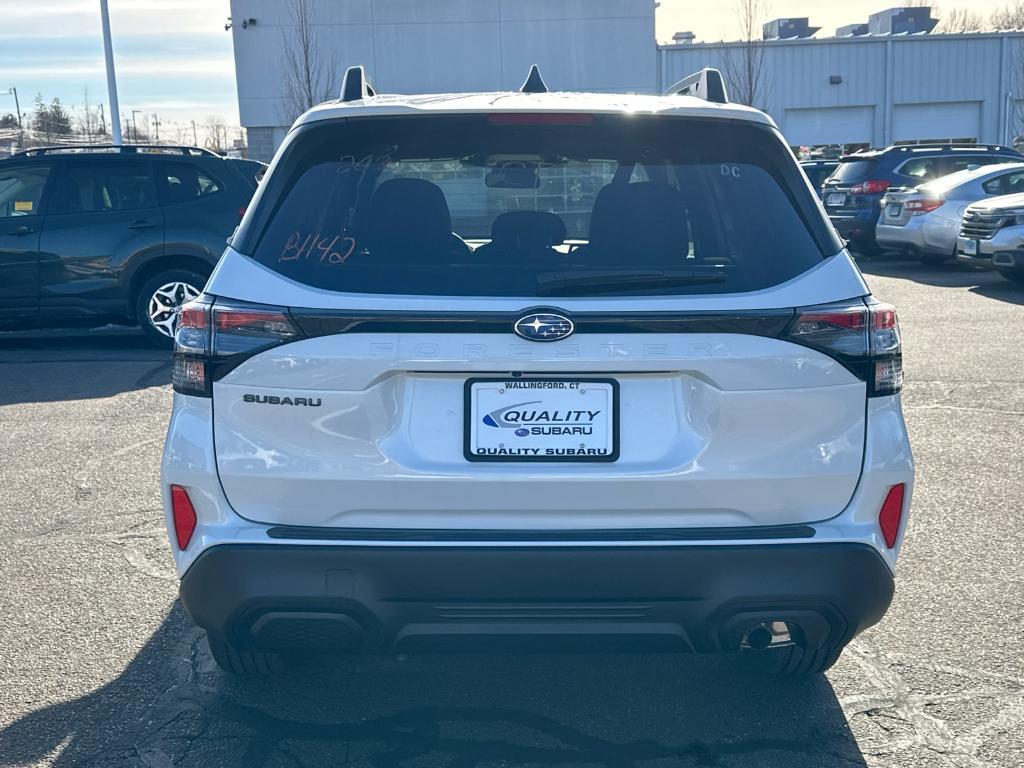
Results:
[744, 63]
[960, 20]
[310, 75]
[216, 133]
[88, 118]
[1010, 16]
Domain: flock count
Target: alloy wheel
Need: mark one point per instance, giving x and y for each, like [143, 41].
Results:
[165, 303]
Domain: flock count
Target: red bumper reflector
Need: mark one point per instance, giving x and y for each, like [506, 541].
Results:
[184, 516]
[890, 514]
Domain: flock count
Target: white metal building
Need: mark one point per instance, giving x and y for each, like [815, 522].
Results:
[871, 89]
[880, 89]
[440, 46]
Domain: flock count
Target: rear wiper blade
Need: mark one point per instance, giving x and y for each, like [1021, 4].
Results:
[609, 281]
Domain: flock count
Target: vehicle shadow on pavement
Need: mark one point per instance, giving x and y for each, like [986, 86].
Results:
[947, 275]
[171, 705]
[40, 367]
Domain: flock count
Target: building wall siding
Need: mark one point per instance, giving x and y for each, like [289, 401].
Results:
[882, 72]
[411, 46]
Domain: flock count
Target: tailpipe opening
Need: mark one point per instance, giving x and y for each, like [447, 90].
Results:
[768, 634]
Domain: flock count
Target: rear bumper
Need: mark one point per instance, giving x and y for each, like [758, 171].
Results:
[367, 599]
[927, 234]
[856, 226]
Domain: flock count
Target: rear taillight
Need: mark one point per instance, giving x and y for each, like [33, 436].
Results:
[891, 514]
[864, 337]
[213, 337]
[922, 206]
[184, 516]
[870, 187]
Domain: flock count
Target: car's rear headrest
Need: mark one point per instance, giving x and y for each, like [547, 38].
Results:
[410, 215]
[646, 217]
[527, 230]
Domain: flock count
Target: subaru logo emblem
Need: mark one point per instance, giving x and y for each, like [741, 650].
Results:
[544, 326]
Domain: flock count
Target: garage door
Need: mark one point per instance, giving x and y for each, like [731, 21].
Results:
[945, 120]
[828, 125]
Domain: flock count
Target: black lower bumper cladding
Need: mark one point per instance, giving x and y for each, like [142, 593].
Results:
[378, 599]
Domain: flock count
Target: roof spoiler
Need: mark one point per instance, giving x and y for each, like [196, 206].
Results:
[706, 84]
[356, 85]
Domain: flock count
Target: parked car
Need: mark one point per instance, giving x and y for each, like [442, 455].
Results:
[399, 427]
[992, 236]
[925, 221]
[853, 193]
[120, 233]
[817, 171]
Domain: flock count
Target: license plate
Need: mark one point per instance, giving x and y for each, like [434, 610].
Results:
[894, 210]
[835, 198]
[541, 419]
[970, 247]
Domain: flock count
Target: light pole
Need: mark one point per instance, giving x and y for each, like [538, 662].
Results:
[108, 52]
[21, 129]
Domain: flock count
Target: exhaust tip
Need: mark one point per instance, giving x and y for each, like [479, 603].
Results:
[759, 638]
[768, 634]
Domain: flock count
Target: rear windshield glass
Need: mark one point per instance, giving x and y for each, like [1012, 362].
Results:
[536, 205]
[850, 171]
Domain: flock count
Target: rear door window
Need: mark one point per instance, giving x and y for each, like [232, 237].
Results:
[1006, 184]
[536, 205]
[953, 163]
[91, 187]
[21, 190]
[186, 182]
[924, 168]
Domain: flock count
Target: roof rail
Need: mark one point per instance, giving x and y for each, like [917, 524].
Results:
[534, 82]
[954, 145]
[706, 84]
[123, 149]
[356, 85]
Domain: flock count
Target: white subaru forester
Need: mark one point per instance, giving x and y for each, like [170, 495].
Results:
[536, 370]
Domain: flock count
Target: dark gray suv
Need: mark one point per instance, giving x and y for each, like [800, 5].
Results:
[120, 233]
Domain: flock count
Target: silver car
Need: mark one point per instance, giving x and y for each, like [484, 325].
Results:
[992, 236]
[925, 221]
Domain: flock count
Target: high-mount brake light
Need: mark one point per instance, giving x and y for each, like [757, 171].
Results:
[540, 118]
[213, 337]
[870, 187]
[864, 337]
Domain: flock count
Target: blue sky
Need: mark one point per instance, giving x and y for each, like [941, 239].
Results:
[173, 57]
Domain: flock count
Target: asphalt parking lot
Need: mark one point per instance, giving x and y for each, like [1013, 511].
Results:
[99, 666]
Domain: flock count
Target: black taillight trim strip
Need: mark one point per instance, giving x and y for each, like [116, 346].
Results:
[770, 323]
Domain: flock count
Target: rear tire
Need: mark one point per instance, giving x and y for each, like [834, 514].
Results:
[238, 662]
[793, 661]
[158, 299]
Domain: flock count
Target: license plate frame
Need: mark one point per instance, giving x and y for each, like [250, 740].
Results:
[970, 248]
[609, 385]
[894, 210]
[835, 199]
